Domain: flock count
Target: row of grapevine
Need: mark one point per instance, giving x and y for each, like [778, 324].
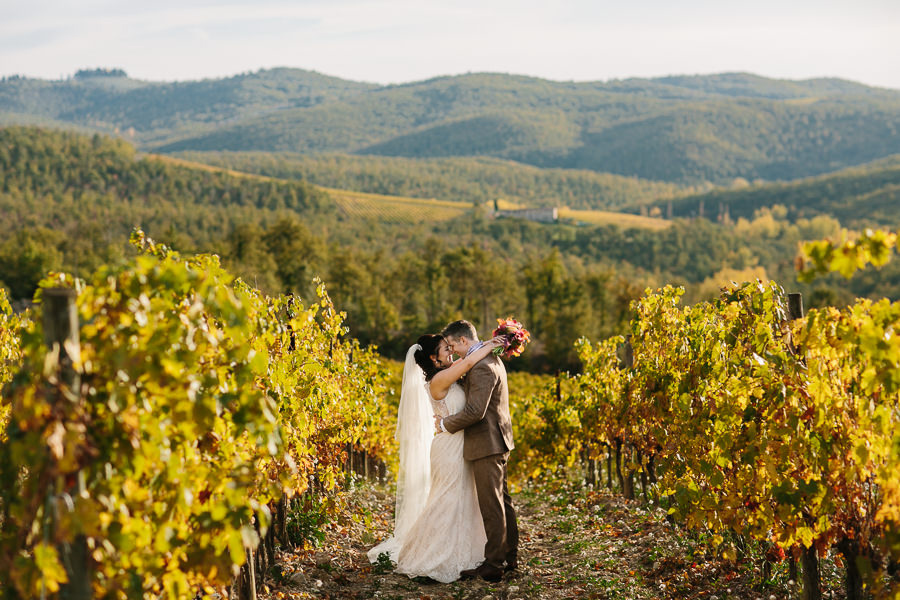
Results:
[9, 349]
[879, 346]
[197, 407]
[746, 423]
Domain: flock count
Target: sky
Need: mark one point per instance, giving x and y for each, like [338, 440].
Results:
[398, 41]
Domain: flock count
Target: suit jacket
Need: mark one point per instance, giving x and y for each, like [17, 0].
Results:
[485, 417]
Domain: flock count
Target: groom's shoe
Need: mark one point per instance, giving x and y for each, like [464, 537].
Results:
[489, 573]
[512, 564]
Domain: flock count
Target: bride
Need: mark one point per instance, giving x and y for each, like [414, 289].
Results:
[438, 530]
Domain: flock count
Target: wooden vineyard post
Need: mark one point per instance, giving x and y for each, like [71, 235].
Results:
[347, 467]
[628, 361]
[795, 306]
[626, 475]
[619, 467]
[290, 314]
[811, 577]
[795, 311]
[644, 485]
[62, 338]
[609, 469]
[247, 579]
[809, 560]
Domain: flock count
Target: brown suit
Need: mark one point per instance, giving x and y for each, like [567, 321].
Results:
[488, 440]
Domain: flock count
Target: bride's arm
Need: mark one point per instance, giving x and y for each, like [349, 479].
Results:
[442, 381]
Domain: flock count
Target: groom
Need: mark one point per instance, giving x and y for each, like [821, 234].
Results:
[488, 440]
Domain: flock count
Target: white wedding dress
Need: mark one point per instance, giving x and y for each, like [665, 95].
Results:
[448, 535]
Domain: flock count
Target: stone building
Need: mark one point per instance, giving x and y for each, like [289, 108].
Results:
[541, 215]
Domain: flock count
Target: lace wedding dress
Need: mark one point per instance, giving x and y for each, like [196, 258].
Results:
[448, 536]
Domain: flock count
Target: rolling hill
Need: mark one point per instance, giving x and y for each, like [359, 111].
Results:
[149, 112]
[472, 180]
[678, 129]
[398, 265]
[380, 208]
[863, 196]
[393, 209]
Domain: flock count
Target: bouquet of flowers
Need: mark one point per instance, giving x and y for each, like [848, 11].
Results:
[517, 337]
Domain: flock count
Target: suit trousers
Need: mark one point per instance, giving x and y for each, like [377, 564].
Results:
[497, 510]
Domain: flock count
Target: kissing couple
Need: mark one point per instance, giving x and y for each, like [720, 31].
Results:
[454, 517]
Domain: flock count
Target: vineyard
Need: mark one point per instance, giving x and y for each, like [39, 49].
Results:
[761, 427]
[605, 217]
[396, 209]
[167, 427]
[192, 421]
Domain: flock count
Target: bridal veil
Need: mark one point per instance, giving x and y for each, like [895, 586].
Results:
[414, 434]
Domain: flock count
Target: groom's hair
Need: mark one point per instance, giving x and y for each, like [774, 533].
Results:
[460, 329]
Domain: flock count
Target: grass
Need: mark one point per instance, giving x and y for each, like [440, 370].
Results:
[396, 209]
[602, 217]
[399, 209]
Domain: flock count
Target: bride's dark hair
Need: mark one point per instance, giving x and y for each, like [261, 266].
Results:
[429, 343]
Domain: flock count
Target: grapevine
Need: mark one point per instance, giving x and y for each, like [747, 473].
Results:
[758, 426]
[202, 402]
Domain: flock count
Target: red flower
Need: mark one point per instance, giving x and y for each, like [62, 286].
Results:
[516, 337]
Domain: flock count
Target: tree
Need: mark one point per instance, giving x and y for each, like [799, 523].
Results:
[27, 257]
[251, 259]
[482, 285]
[297, 253]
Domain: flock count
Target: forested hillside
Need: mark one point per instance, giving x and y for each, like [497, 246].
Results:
[859, 197]
[554, 125]
[476, 180]
[70, 201]
[678, 129]
[146, 111]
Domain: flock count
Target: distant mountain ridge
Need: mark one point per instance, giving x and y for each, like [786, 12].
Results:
[684, 129]
[755, 86]
[159, 109]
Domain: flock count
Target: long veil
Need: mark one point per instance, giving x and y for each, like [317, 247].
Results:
[415, 431]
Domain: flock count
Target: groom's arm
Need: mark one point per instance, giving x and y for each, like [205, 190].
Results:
[482, 381]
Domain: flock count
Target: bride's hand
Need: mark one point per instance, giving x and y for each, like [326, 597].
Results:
[498, 342]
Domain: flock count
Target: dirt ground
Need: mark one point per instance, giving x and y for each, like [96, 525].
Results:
[575, 543]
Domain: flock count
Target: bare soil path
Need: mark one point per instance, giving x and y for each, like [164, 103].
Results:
[575, 543]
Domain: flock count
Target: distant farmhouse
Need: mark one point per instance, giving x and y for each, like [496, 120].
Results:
[541, 215]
